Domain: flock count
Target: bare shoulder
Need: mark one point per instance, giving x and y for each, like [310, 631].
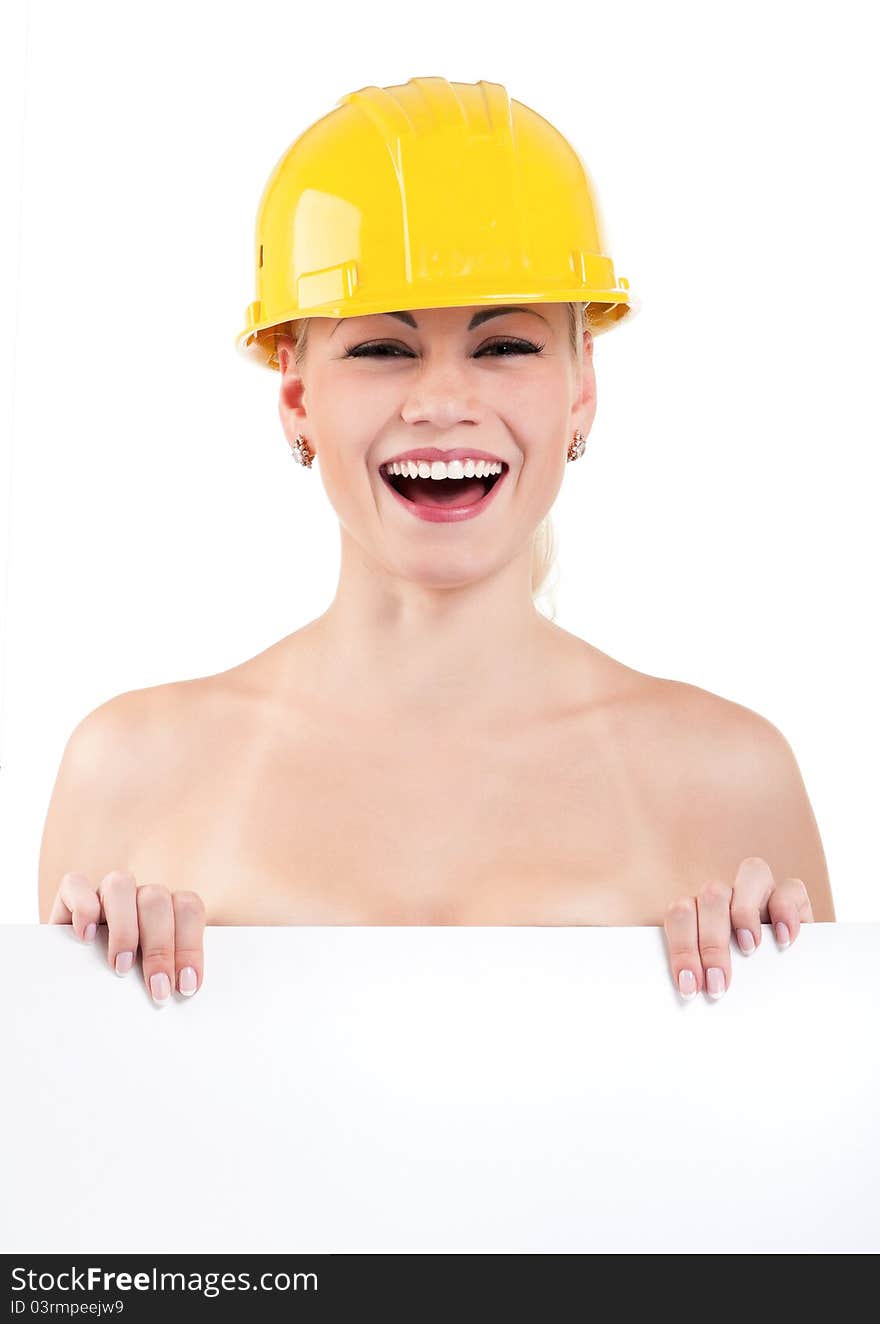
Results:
[118, 740]
[113, 759]
[732, 788]
[720, 739]
[688, 738]
[700, 717]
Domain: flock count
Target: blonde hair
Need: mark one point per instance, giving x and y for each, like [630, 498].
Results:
[544, 537]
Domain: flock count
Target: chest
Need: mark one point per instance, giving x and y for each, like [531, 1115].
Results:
[454, 827]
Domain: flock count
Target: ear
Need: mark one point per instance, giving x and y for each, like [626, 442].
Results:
[583, 411]
[284, 349]
[291, 397]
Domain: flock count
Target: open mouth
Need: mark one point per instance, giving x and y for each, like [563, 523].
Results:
[439, 493]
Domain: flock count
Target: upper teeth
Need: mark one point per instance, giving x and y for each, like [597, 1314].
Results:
[438, 469]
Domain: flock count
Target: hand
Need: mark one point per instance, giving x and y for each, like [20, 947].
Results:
[169, 927]
[698, 928]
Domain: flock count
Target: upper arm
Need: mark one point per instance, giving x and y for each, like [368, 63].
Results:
[783, 817]
[747, 794]
[85, 822]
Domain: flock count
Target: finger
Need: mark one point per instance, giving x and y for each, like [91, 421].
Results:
[713, 925]
[118, 893]
[752, 887]
[156, 926]
[189, 929]
[789, 908]
[680, 925]
[77, 903]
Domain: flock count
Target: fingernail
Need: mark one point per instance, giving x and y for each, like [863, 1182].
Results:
[188, 981]
[687, 984]
[91, 930]
[715, 981]
[124, 962]
[160, 987]
[746, 941]
[783, 937]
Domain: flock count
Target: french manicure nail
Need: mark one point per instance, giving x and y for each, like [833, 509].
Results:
[687, 984]
[160, 987]
[188, 981]
[124, 962]
[715, 982]
[783, 937]
[746, 941]
[91, 930]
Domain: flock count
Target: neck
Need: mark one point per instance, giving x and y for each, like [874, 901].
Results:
[388, 646]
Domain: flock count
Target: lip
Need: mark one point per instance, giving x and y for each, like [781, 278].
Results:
[449, 514]
[432, 453]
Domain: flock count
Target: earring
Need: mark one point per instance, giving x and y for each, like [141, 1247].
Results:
[577, 447]
[302, 452]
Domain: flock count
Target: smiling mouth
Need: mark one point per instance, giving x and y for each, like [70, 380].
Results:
[442, 491]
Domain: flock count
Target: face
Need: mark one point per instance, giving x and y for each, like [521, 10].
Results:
[456, 383]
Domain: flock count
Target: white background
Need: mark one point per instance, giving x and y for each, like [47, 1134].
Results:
[721, 528]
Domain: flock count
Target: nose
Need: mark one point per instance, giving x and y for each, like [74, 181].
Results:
[444, 411]
[442, 395]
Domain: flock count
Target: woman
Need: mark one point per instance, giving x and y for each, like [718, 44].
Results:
[432, 749]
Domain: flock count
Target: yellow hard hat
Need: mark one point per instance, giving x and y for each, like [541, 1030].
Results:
[427, 194]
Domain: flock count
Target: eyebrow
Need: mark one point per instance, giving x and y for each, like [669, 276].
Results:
[482, 316]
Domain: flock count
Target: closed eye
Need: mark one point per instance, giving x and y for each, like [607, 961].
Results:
[371, 349]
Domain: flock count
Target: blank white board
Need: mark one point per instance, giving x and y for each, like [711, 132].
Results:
[441, 1089]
